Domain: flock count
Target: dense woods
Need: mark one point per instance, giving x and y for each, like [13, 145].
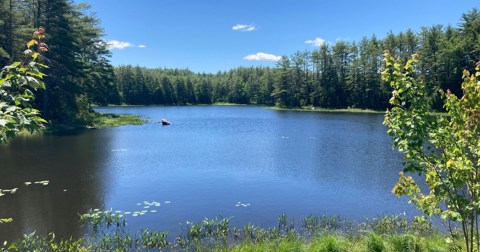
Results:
[340, 75]
[79, 68]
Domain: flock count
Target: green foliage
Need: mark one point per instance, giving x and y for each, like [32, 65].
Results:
[444, 149]
[405, 243]
[80, 71]
[375, 243]
[17, 85]
[329, 243]
[105, 120]
[33, 242]
[107, 231]
[343, 75]
[340, 76]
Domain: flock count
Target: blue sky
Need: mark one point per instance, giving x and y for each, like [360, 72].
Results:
[213, 35]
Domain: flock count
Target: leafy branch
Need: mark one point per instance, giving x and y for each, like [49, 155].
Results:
[17, 83]
[445, 150]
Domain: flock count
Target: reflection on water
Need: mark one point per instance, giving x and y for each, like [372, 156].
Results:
[202, 165]
[72, 163]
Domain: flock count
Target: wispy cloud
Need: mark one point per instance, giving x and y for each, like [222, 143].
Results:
[115, 44]
[262, 57]
[243, 27]
[316, 42]
[141, 46]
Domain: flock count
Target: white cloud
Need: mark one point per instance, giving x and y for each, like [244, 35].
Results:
[316, 42]
[115, 44]
[242, 27]
[141, 46]
[262, 57]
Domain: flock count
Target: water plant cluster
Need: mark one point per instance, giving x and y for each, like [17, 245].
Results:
[3, 192]
[147, 207]
[107, 231]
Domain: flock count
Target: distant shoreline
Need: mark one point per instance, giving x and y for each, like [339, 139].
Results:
[303, 109]
[315, 109]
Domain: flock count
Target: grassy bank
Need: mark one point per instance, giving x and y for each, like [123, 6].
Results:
[323, 242]
[98, 121]
[105, 120]
[106, 231]
[335, 242]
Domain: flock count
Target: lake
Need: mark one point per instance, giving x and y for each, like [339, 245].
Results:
[243, 162]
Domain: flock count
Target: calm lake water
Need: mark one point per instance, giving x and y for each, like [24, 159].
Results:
[203, 164]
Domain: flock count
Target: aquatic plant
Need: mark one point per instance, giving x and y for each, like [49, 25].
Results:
[107, 231]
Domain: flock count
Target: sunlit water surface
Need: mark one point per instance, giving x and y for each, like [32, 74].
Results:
[243, 162]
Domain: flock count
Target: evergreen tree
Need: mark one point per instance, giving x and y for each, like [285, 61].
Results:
[281, 93]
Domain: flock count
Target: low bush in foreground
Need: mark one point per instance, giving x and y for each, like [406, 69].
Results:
[106, 231]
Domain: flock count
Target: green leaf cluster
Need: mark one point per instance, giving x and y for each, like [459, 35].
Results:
[17, 85]
[444, 149]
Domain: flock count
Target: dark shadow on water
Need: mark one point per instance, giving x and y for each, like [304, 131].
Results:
[67, 132]
[73, 163]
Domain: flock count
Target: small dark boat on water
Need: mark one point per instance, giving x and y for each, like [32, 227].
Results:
[165, 122]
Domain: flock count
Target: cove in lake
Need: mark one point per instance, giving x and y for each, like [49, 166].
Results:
[243, 162]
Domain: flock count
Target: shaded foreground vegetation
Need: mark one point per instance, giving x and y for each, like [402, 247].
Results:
[107, 231]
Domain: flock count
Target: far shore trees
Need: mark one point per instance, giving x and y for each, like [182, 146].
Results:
[341, 75]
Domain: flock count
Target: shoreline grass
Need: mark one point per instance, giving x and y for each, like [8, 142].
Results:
[108, 120]
[106, 231]
[98, 121]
